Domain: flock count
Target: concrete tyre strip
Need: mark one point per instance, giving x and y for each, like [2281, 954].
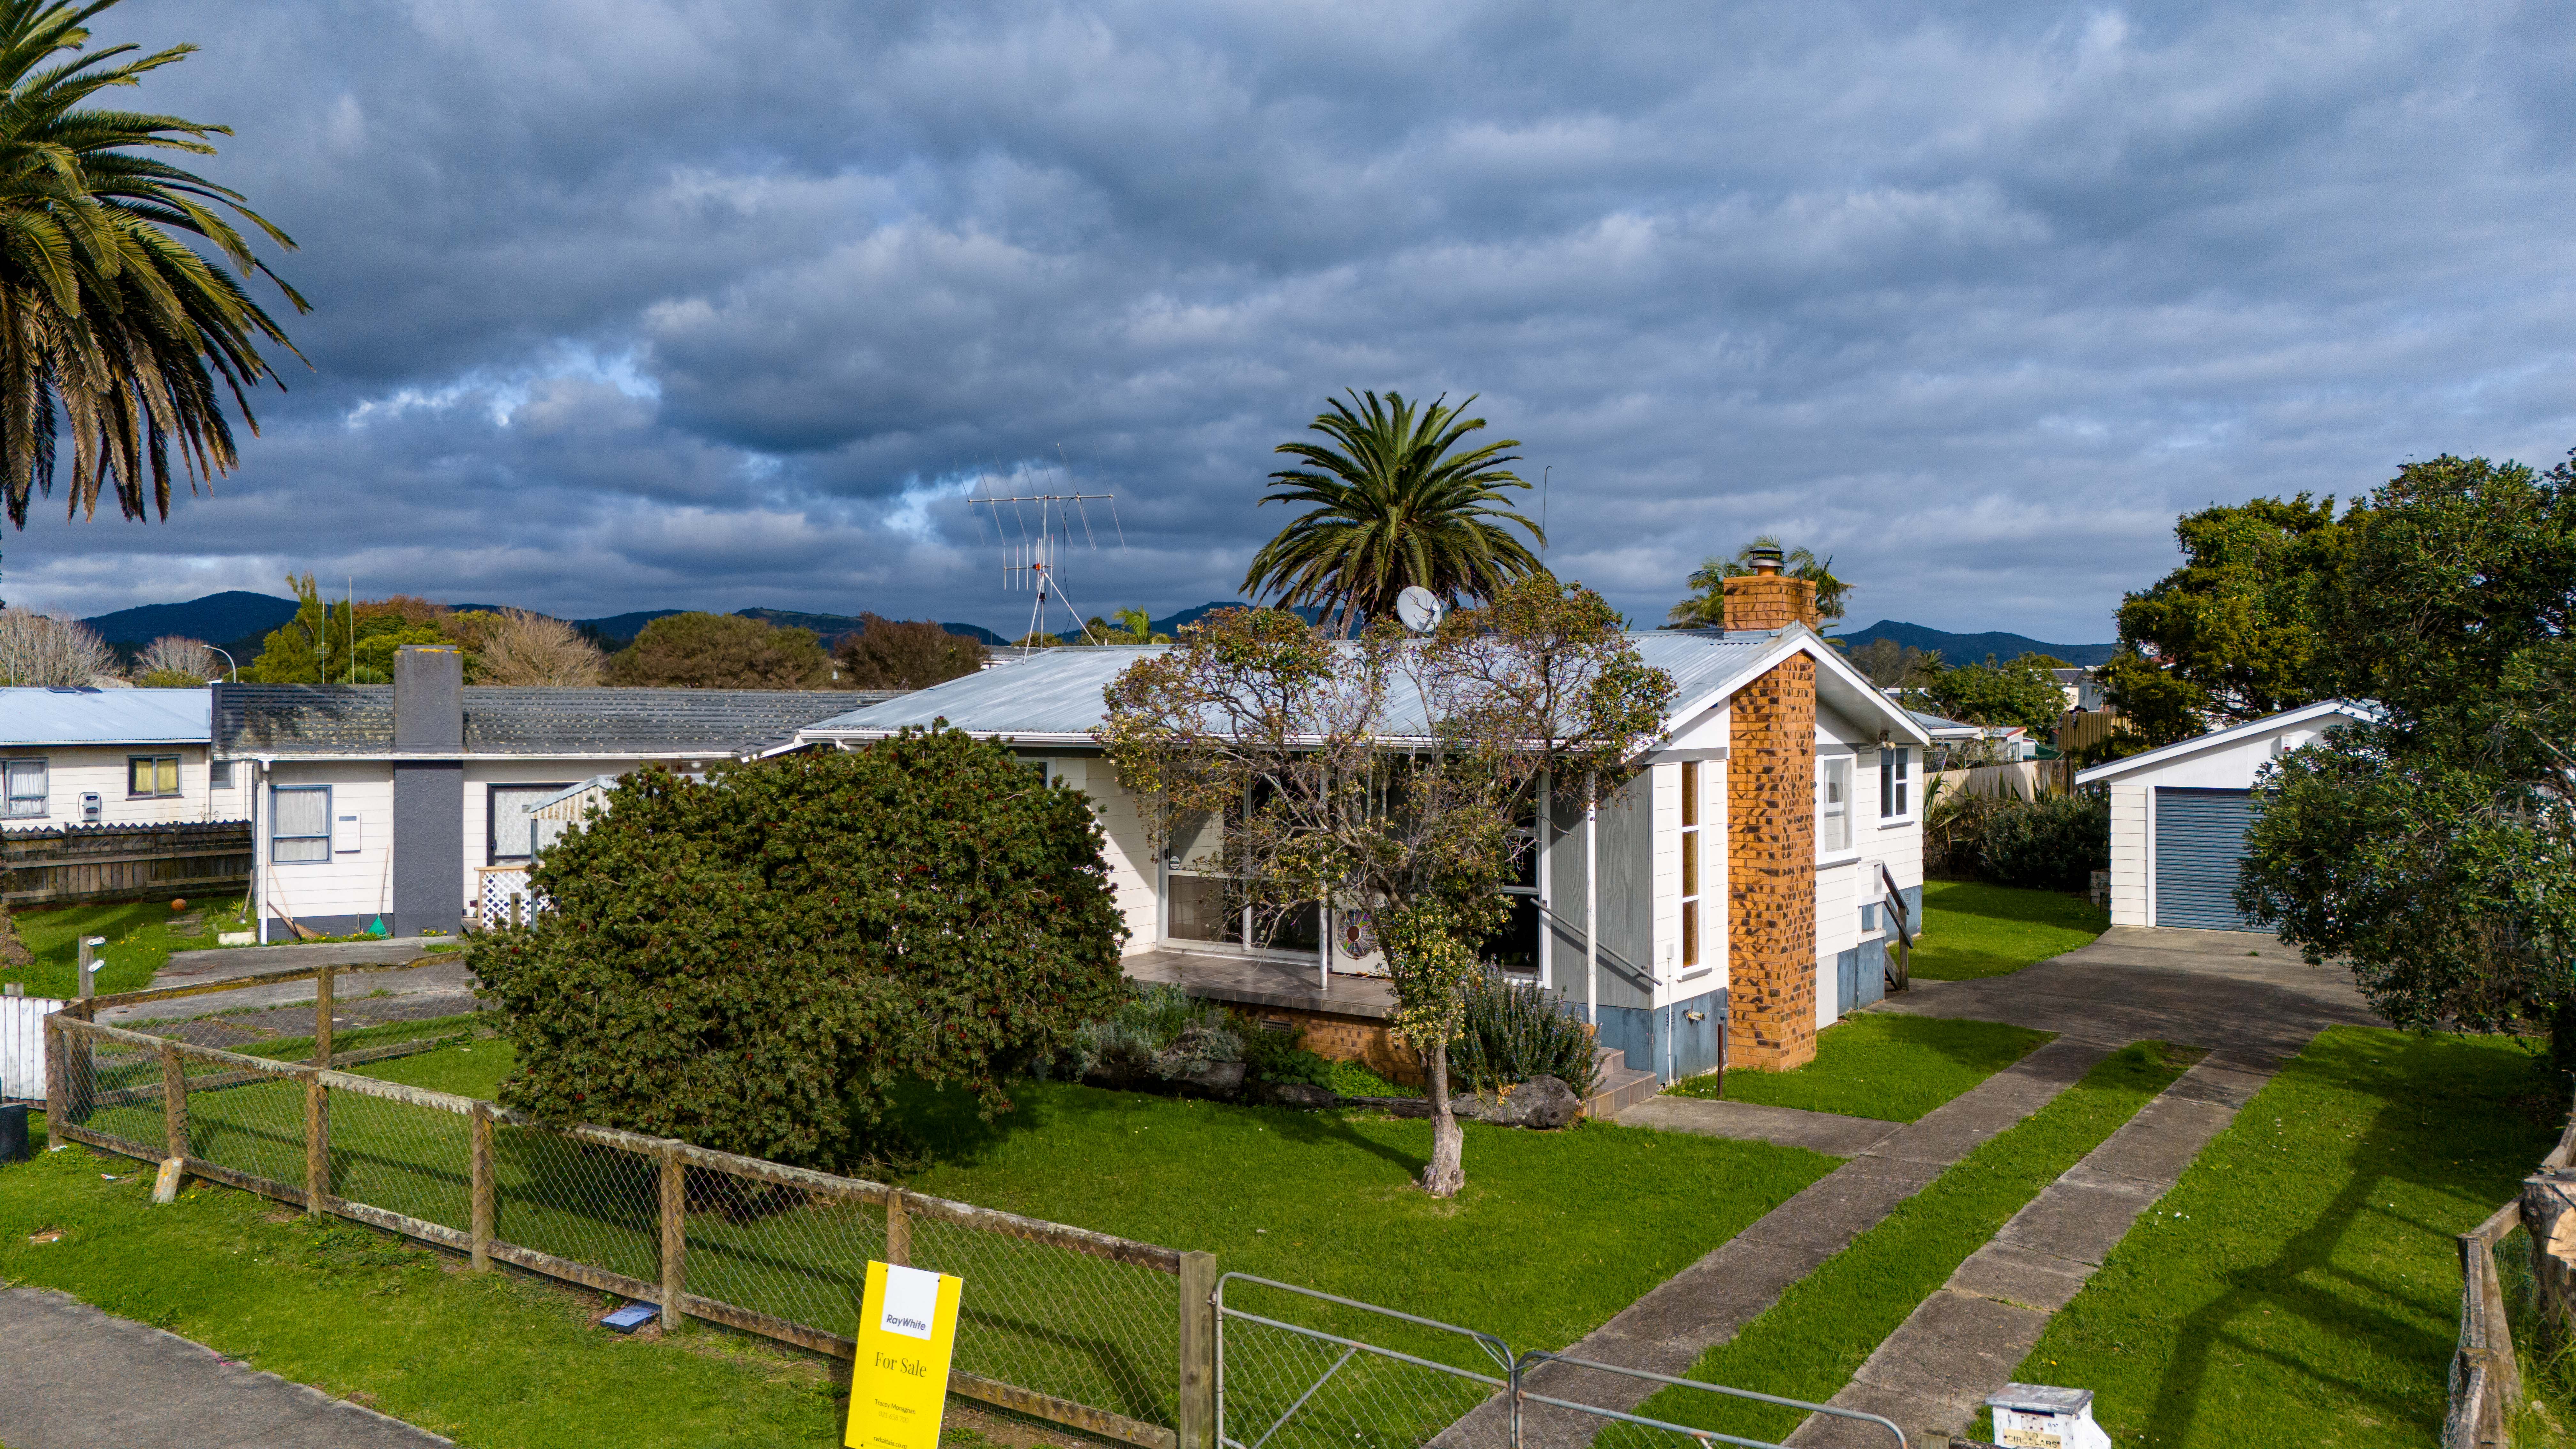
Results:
[1710, 1301]
[1933, 1373]
[82, 1379]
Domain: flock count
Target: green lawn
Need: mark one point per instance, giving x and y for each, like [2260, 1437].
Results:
[2304, 1270]
[138, 941]
[1878, 1064]
[1808, 1344]
[1972, 929]
[1534, 1250]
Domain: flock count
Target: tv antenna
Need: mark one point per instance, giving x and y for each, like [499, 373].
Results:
[1037, 533]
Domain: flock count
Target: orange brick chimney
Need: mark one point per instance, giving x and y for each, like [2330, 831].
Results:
[1767, 598]
[1771, 836]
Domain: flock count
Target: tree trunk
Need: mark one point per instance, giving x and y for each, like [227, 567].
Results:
[1443, 1177]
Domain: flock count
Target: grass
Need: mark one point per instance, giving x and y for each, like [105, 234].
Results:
[1971, 929]
[138, 942]
[1534, 1250]
[2304, 1270]
[1882, 1065]
[1808, 1345]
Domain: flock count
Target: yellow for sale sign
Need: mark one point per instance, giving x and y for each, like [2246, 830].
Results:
[899, 1385]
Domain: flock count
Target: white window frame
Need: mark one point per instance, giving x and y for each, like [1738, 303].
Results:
[1691, 923]
[1828, 852]
[274, 814]
[30, 807]
[1897, 766]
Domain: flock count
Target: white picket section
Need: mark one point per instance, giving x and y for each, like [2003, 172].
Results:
[22, 1046]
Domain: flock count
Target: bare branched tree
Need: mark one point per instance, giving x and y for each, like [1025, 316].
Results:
[174, 659]
[38, 649]
[1386, 775]
[532, 649]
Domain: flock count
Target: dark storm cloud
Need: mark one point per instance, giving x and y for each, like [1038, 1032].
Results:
[637, 304]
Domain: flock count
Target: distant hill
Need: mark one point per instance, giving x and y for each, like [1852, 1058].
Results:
[1973, 648]
[1172, 624]
[216, 618]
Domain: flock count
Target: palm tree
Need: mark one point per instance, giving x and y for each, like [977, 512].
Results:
[1394, 508]
[109, 321]
[1706, 607]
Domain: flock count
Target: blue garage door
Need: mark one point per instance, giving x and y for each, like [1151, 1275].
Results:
[2200, 836]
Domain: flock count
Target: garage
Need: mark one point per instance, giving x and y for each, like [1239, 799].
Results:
[2178, 817]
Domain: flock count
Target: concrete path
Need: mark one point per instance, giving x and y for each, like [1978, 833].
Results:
[1932, 1375]
[1827, 1132]
[400, 980]
[80, 1379]
[1708, 1302]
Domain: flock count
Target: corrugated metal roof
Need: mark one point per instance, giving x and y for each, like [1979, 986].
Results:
[103, 716]
[316, 719]
[1057, 693]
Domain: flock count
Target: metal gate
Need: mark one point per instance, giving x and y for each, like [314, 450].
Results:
[2200, 838]
[22, 1046]
[1319, 1371]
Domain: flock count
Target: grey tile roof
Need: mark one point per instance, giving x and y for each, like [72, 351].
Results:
[102, 716]
[1057, 692]
[316, 719]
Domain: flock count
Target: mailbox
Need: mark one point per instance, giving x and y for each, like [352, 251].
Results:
[2036, 1416]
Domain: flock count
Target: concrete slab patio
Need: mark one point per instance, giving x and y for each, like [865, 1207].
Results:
[82, 1379]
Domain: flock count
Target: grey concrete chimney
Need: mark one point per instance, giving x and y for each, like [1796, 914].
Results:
[429, 866]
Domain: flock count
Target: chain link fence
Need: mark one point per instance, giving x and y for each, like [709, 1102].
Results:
[1058, 1322]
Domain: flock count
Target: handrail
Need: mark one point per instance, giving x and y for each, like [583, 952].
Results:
[1642, 980]
[1893, 900]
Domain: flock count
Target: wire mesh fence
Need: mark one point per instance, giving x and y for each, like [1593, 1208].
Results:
[1055, 1321]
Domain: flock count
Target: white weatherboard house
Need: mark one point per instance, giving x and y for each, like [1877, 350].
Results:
[405, 806]
[81, 756]
[1718, 909]
[2178, 816]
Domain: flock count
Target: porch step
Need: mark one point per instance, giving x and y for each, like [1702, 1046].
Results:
[1617, 1086]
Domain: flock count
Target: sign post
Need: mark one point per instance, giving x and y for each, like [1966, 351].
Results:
[899, 1377]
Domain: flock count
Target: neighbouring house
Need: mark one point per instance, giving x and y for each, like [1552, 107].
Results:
[1717, 910]
[409, 807]
[87, 756]
[2178, 816]
[2082, 687]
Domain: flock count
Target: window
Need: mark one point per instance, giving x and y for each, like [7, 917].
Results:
[26, 789]
[219, 775]
[1690, 865]
[510, 832]
[151, 775]
[1895, 799]
[1833, 804]
[299, 823]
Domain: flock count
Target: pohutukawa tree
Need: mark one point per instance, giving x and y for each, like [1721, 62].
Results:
[1386, 774]
[110, 322]
[1400, 501]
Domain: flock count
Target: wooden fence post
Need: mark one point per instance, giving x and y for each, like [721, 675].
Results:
[322, 990]
[480, 1135]
[898, 1230]
[58, 1044]
[2549, 1215]
[675, 1236]
[174, 1102]
[317, 1144]
[1198, 1351]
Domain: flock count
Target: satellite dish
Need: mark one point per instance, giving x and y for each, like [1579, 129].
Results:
[1419, 609]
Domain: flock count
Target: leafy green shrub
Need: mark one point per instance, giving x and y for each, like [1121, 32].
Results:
[751, 963]
[1350, 1079]
[2053, 843]
[1514, 1031]
[1158, 1032]
[1280, 1056]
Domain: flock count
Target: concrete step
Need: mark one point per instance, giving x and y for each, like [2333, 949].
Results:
[1617, 1086]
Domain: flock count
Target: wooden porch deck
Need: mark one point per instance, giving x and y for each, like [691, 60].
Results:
[1250, 981]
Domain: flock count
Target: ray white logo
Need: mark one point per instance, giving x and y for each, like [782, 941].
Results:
[911, 1302]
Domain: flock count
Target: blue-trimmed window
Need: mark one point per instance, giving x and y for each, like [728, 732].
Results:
[299, 823]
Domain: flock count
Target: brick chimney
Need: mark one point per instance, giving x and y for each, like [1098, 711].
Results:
[1767, 598]
[1771, 835]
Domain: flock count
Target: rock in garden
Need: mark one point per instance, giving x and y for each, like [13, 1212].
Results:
[1538, 1102]
[1299, 1094]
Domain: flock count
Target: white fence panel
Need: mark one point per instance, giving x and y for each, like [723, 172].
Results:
[22, 1045]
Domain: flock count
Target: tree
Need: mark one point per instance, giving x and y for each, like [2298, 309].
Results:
[175, 662]
[527, 649]
[2022, 693]
[311, 648]
[2237, 632]
[1388, 775]
[37, 649]
[1395, 507]
[721, 651]
[2431, 848]
[1706, 607]
[1891, 665]
[892, 654]
[1134, 626]
[750, 964]
[110, 320]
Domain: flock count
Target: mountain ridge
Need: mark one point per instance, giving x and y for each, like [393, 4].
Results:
[1957, 649]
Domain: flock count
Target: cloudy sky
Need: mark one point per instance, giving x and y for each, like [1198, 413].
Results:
[629, 304]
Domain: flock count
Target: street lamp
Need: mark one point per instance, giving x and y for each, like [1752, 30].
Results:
[228, 664]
